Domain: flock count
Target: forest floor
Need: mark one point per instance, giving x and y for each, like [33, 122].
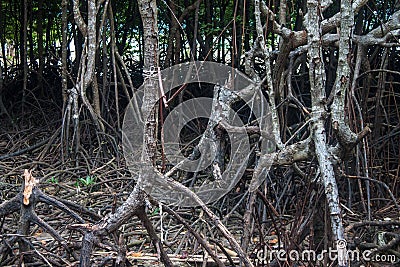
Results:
[97, 182]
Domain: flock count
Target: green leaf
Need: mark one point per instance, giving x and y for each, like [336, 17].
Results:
[156, 211]
[53, 180]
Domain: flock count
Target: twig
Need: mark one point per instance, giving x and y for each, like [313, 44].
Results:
[25, 150]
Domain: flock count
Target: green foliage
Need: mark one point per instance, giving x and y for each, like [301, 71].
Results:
[155, 212]
[208, 28]
[87, 181]
[53, 180]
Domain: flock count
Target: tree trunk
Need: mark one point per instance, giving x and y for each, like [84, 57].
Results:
[3, 39]
[24, 54]
[64, 44]
[209, 36]
[319, 117]
[148, 12]
[40, 43]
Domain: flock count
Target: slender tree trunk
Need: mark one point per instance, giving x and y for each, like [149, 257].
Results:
[32, 60]
[3, 39]
[64, 44]
[3, 109]
[148, 12]
[113, 48]
[319, 115]
[209, 36]
[195, 31]
[169, 61]
[24, 59]
[40, 42]
[48, 34]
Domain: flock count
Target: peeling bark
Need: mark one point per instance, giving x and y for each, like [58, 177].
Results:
[319, 115]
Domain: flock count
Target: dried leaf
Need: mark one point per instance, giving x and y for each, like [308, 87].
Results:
[135, 254]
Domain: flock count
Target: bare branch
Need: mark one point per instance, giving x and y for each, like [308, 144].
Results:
[78, 18]
[268, 75]
[333, 22]
[297, 37]
[384, 33]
